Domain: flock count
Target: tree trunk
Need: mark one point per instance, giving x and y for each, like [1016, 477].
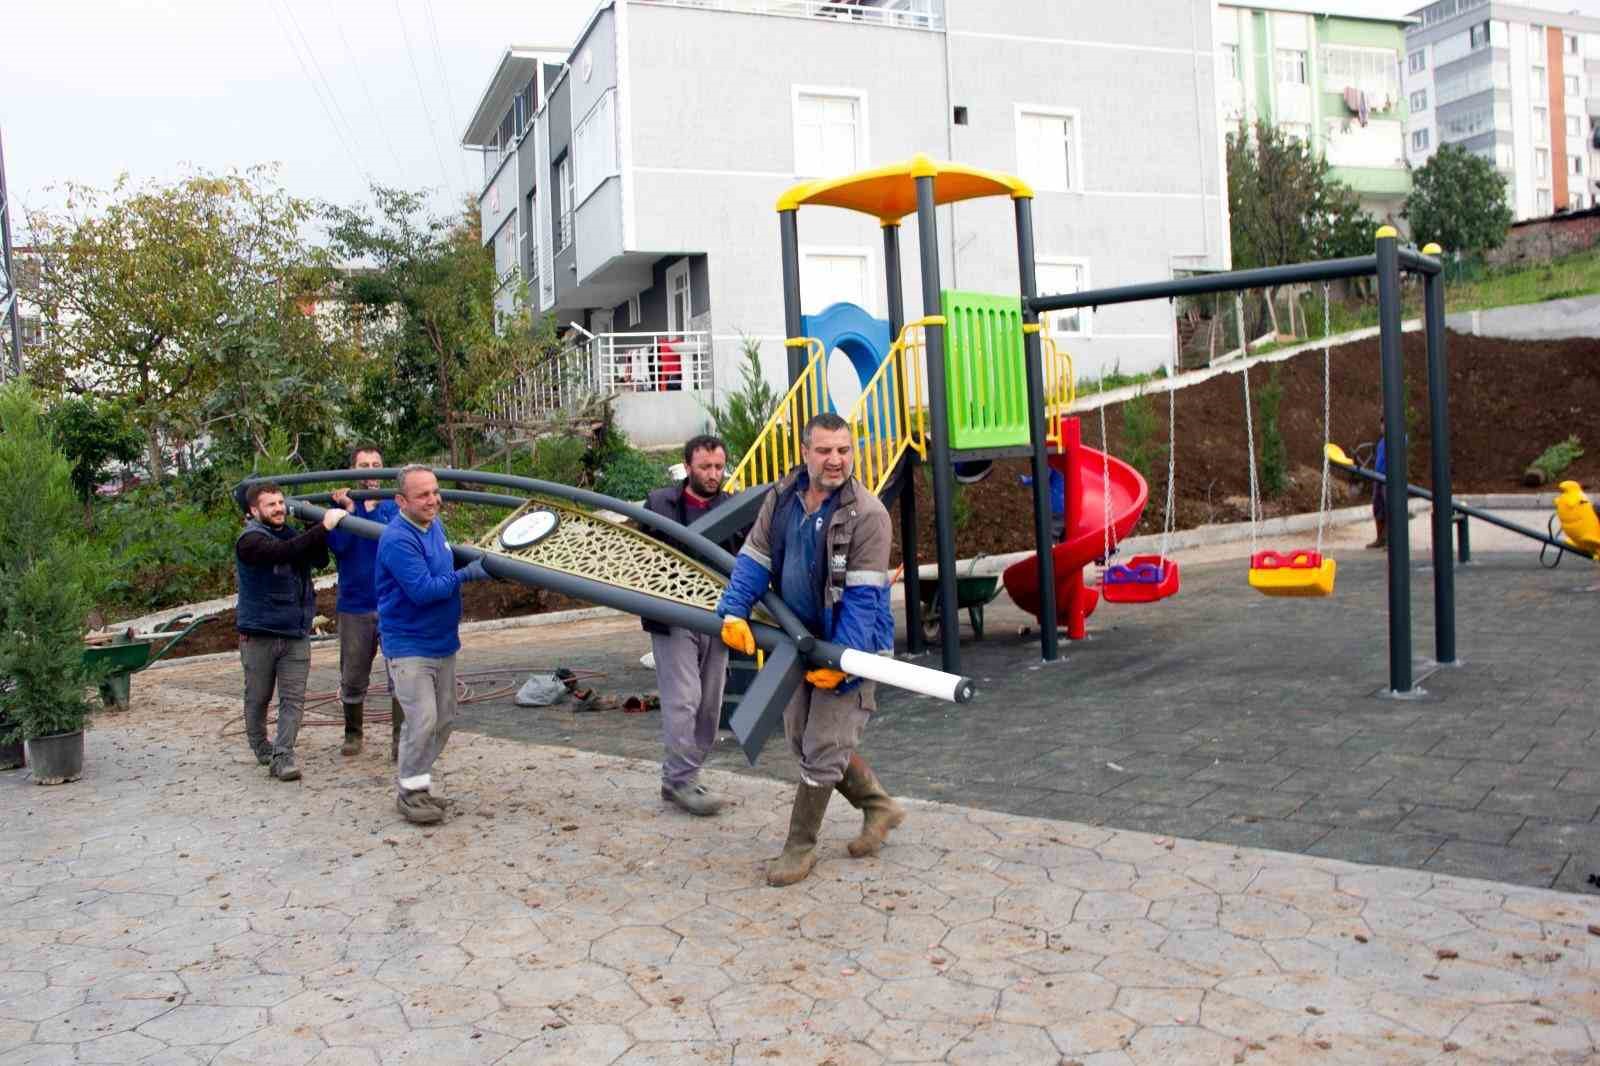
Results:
[153, 453]
[1272, 311]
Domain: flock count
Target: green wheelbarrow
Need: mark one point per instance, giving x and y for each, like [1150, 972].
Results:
[973, 594]
[128, 652]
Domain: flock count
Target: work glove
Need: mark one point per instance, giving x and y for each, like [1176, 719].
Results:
[473, 571]
[825, 677]
[736, 635]
[332, 517]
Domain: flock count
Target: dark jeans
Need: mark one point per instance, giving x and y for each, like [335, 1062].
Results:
[274, 662]
[358, 646]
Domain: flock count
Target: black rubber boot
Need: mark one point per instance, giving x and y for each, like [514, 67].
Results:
[352, 730]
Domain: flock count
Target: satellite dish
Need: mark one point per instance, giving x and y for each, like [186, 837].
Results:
[529, 529]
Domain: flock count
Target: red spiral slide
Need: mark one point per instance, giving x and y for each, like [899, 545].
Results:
[1092, 479]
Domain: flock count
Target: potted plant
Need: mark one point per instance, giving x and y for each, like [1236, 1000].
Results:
[45, 574]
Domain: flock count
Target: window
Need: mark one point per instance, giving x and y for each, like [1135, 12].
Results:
[1571, 41]
[680, 308]
[1574, 126]
[1417, 61]
[830, 133]
[1375, 71]
[1570, 83]
[1059, 276]
[1419, 100]
[1049, 150]
[1541, 86]
[533, 242]
[508, 131]
[1291, 66]
[594, 146]
[1575, 164]
[959, 118]
[1419, 140]
[1541, 162]
[1541, 125]
[835, 275]
[1479, 36]
[634, 311]
[1541, 201]
[1575, 201]
[564, 189]
[1230, 56]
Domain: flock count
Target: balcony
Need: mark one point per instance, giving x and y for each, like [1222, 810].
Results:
[899, 14]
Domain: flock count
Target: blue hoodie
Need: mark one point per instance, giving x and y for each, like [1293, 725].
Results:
[419, 592]
[357, 557]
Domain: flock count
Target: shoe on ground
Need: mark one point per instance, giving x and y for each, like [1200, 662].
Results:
[351, 745]
[694, 798]
[444, 803]
[417, 809]
[263, 756]
[284, 769]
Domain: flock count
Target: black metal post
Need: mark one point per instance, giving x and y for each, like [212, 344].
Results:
[1394, 432]
[789, 238]
[1230, 281]
[1033, 357]
[13, 313]
[1444, 574]
[939, 430]
[1463, 540]
[915, 644]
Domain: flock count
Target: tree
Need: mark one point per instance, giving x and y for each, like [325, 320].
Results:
[92, 435]
[138, 286]
[1284, 207]
[1459, 200]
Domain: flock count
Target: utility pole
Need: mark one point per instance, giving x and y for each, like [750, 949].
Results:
[8, 277]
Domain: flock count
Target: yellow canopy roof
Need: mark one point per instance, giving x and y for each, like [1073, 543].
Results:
[890, 193]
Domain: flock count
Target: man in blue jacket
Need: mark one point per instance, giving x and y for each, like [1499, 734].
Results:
[824, 540]
[276, 605]
[357, 558]
[419, 618]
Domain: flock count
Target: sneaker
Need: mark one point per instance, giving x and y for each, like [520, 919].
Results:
[416, 808]
[694, 798]
[284, 769]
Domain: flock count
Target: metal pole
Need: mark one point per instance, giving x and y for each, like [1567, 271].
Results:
[1033, 357]
[1444, 574]
[939, 430]
[10, 296]
[789, 237]
[915, 644]
[1230, 281]
[1394, 432]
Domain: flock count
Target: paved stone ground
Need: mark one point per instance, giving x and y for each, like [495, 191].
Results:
[177, 906]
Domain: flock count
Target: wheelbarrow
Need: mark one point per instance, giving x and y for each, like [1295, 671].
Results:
[973, 594]
[126, 653]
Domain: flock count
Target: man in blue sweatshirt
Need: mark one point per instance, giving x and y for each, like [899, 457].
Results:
[357, 559]
[419, 619]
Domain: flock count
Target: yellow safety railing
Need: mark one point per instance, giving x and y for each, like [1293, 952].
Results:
[889, 418]
[777, 447]
[1060, 388]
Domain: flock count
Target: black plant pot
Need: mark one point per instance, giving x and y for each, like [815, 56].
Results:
[11, 755]
[56, 760]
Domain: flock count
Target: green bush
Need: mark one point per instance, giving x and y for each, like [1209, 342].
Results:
[631, 474]
[558, 458]
[1274, 453]
[166, 550]
[1556, 458]
[740, 422]
[1140, 427]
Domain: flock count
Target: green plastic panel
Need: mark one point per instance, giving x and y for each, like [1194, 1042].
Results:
[985, 379]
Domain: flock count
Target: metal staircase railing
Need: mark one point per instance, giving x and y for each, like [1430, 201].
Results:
[1060, 388]
[777, 447]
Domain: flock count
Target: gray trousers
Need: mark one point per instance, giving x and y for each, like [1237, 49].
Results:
[824, 728]
[691, 670]
[426, 689]
[358, 646]
[274, 662]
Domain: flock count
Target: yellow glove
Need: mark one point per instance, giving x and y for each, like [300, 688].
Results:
[825, 677]
[736, 635]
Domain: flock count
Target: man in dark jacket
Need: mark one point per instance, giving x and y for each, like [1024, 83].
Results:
[357, 557]
[691, 667]
[276, 605]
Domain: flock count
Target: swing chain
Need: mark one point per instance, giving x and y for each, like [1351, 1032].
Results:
[1325, 503]
[1167, 519]
[1105, 481]
[1250, 443]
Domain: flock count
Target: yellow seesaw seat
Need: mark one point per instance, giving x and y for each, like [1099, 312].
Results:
[1578, 520]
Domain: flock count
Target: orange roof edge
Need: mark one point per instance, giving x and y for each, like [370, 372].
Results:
[889, 193]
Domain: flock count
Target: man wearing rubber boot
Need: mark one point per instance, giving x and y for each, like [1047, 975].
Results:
[691, 667]
[356, 558]
[276, 604]
[419, 622]
[824, 539]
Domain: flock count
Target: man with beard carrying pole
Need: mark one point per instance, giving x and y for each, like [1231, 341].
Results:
[824, 541]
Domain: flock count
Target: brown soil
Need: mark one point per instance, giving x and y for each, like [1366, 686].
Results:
[1509, 401]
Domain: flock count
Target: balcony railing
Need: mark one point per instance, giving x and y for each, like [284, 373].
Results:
[611, 364]
[904, 14]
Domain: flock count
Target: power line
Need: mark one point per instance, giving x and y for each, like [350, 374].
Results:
[377, 114]
[327, 85]
[326, 110]
[449, 97]
[444, 171]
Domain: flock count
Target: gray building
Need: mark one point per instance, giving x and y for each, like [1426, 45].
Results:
[1515, 85]
[651, 154]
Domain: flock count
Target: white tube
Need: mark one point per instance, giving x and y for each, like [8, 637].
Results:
[909, 676]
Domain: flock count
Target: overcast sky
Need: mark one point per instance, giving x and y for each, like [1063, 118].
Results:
[338, 92]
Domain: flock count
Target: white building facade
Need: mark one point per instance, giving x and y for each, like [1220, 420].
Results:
[1515, 85]
[633, 184]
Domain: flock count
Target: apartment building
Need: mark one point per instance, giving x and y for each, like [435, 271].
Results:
[648, 159]
[1328, 74]
[1515, 85]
